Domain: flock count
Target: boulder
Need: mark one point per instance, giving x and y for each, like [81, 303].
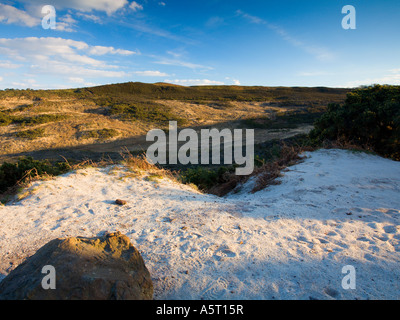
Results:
[102, 268]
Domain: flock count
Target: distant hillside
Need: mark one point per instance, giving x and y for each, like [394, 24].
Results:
[105, 118]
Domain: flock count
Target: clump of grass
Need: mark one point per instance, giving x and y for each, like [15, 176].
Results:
[139, 166]
[154, 177]
[31, 134]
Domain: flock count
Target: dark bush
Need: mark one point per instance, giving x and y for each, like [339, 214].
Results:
[26, 168]
[369, 118]
[205, 178]
[5, 119]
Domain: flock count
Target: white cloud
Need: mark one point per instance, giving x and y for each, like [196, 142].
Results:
[58, 68]
[28, 83]
[90, 17]
[11, 15]
[108, 6]
[9, 65]
[135, 6]
[235, 81]
[195, 82]
[38, 48]
[60, 57]
[163, 4]
[151, 74]
[1, 78]
[76, 80]
[180, 63]
[66, 23]
[100, 50]
[81, 82]
[393, 78]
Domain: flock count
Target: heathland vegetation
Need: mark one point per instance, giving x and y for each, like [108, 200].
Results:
[366, 119]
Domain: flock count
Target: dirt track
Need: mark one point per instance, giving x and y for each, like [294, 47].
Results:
[135, 144]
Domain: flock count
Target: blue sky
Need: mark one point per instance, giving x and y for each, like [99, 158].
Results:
[192, 42]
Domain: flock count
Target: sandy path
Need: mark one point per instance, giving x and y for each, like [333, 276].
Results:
[291, 241]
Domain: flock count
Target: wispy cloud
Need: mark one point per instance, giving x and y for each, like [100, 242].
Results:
[194, 82]
[58, 57]
[11, 15]
[9, 65]
[100, 50]
[107, 6]
[90, 17]
[321, 53]
[391, 77]
[135, 6]
[150, 74]
[180, 63]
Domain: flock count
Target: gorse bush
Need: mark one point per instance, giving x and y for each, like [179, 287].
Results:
[151, 112]
[205, 178]
[369, 118]
[27, 168]
[31, 134]
[6, 119]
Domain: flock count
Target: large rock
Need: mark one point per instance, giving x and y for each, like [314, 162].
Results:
[105, 268]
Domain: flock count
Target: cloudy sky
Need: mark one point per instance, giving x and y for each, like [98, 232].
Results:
[193, 42]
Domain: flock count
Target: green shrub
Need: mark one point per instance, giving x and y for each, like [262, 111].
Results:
[369, 118]
[205, 178]
[5, 119]
[26, 168]
[31, 134]
[151, 112]
[39, 119]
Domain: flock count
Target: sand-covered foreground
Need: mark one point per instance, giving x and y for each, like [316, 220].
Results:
[289, 241]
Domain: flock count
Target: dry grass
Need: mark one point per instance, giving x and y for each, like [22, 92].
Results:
[345, 144]
[139, 166]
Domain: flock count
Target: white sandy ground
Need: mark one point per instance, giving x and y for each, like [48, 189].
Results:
[289, 241]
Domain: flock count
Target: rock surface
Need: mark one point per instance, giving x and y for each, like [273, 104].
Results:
[103, 268]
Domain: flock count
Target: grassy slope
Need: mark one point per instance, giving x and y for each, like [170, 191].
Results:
[47, 119]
